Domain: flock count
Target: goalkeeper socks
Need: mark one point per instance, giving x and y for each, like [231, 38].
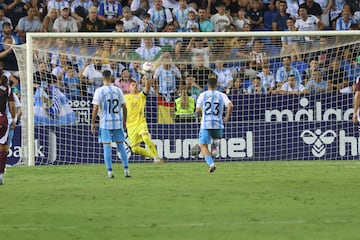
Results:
[123, 155]
[107, 157]
[209, 160]
[3, 158]
[141, 151]
[151, 146]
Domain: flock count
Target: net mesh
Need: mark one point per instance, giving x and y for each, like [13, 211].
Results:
[292, 94]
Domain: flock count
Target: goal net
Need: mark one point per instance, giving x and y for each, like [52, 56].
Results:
[292, 93]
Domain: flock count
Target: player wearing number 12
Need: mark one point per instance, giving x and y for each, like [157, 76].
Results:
[210, 106]
[109, 104]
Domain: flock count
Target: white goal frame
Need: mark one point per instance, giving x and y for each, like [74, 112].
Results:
[29, 153]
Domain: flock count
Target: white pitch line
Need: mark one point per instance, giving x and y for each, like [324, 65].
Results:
[184, 225]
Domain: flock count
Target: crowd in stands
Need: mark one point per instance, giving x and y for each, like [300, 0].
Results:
[241, 65]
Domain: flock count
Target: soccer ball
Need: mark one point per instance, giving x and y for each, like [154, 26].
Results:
[148, 66]
[195, 150]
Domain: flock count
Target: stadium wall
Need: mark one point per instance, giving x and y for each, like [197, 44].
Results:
[262, 128]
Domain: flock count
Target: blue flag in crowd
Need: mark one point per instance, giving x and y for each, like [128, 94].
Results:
[51, 106]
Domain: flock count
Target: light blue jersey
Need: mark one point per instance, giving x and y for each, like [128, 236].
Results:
[109, 98]
[212, 104]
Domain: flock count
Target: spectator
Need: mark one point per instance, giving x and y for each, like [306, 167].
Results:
[7, 56]
[16, 10]
[290, 44]
[48, 22]
[257, 54]
[65, 23]
[80, 10]
[269, 14]
[308, 22]
[7, 32]
[135, 71]
[312, 66]
[139, 7]
[60, 70]
[147, 25]
[160, 16]
[316, 83]
[185, 107]
[167, 77]
[72, 83]
[200, 72]
[176, 44]
[124, 82]
[28, 24]
[92, 23]
[192, 24]
[256, 16]
[325, 5]
[205, 25]
[43, 77]
[197, 47]
[192, 88]
[286, 70]
[324, 52]
[344, 22]
[312, 8]
[256, 87]
[121, 46]
[149, 52]
[105, 50]
[279, 21]
[110, 12]
[240, 20]
[131, 23]
[3, 18]
[291, 86]
[292, 8]
[224, 75]
[336, 76]
[142, 86]
[267, 78]
[222, 19]
[57, 4]
[91, 76]
[180, 14]
[237, 88]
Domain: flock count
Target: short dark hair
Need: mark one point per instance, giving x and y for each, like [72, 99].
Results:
[107, 74]
[212, 82]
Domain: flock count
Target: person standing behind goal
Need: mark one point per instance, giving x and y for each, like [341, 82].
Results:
[6, 97]
[210, 107]
[136, 124]
[109, 104]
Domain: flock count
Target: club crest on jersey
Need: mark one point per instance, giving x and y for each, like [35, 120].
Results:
[318, 140]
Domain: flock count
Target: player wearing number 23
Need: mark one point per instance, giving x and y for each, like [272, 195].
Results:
[210, 106]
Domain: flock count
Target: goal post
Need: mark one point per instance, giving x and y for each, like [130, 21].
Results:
[267, 124]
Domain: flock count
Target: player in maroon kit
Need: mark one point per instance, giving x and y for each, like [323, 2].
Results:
[356, 102]
[6, 97]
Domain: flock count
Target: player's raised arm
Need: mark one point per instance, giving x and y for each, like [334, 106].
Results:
[147, 84]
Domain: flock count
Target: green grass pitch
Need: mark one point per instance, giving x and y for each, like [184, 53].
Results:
[241, 200]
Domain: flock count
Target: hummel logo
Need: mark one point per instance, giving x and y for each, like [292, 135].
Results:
[318, 140]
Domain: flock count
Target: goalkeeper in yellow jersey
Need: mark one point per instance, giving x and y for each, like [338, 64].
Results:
[136, 124]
